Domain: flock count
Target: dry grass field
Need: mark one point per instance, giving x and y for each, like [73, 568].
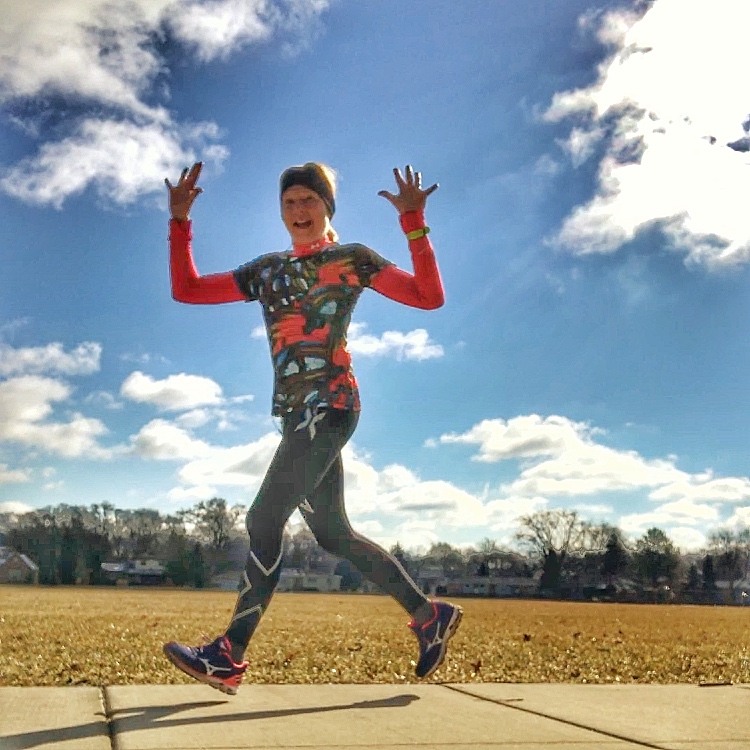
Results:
[88, 636]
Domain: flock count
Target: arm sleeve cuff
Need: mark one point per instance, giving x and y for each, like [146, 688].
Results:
[412, 220]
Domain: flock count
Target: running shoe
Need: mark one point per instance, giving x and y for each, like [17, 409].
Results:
[433, 636]
[211, 663]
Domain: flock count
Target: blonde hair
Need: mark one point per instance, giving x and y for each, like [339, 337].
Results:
[329, 176]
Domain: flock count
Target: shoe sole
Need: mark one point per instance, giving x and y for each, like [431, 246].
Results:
[455, 621]
[213, 682]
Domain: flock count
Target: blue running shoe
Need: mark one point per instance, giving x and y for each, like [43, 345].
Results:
[211, 663]
[433, 636]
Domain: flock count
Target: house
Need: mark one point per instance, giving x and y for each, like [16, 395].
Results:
[433, 583]
[734, 592]
[298, 580]
[16, 567]
[134, 572]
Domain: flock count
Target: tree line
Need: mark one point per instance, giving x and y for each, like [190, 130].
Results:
[567, 554]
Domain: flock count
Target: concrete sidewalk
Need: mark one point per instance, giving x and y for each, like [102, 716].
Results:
[499, 716]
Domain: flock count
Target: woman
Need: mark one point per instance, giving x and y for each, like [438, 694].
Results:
[308, 295]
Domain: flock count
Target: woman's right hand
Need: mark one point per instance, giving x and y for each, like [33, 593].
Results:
[182, 195]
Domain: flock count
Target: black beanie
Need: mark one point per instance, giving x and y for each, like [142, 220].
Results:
[309, 177]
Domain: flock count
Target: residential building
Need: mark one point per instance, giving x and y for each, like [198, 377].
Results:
[16, 567]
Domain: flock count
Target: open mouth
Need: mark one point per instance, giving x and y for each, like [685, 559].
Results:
[303, 224]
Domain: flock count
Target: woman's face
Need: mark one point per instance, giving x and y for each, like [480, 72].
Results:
[304, 214]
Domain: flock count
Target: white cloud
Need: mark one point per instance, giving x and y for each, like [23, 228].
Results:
[103, 57]
[441, 501]
[703, 487]
[687, 539]
[588, 468]
[83, 360]
[528, 436]
[739, 519]
[368, 528]
[590, 510]
[395, 477]
[173, 393]
[26, 403]
[238, 466]
[164, 441]
[241, 399]
[414, 344]
[503, 513]
[194, 418]
[121, 160]
[661, 116]
[561, 459]
[92, 49]
[685, 523]
[15, 507]
[191, 494]
[8, 476]
[216, 29]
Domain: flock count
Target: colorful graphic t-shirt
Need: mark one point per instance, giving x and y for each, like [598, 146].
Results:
[307, 305]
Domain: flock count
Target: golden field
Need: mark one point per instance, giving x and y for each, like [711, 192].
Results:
[90, 636]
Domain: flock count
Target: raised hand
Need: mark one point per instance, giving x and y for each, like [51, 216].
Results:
[410, 196]
[182, 195]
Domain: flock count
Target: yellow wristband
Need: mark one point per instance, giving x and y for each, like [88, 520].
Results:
[418, 233]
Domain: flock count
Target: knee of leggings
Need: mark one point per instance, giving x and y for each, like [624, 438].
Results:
[333, 540]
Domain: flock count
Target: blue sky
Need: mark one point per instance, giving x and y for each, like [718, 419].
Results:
[591, 230]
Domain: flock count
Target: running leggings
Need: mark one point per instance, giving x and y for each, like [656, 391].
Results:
[307, 472]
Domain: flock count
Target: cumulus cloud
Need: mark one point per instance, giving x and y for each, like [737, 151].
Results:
[739, 519]
[83, 360]
[121, 160]
[560, 459]
[414, 344]
[8, 475]
[173, 393]
[25, 407]
[14, 507]
[527, 436]
[685, 522]
[161, 440]
[96, 56]
[704, 488]
[669, 123]
[503, 513]
[237, 466]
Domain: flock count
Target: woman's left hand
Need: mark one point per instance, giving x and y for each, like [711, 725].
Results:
[410, 196]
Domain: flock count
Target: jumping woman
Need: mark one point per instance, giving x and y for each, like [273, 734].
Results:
[308, 294]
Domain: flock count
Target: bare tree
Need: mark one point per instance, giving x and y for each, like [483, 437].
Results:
[214, 521]
[488, 556]
[552, 536]
[448, 558]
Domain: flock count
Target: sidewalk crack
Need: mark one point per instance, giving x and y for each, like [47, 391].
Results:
[514, 705]
[106, 710]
